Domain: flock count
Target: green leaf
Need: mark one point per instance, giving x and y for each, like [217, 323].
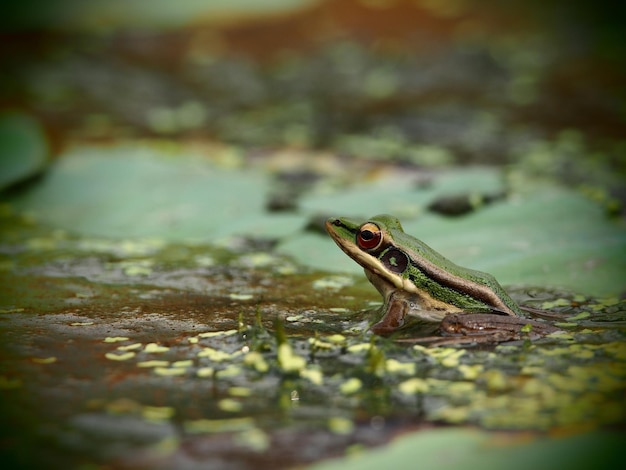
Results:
[444, 449]
[23, 148]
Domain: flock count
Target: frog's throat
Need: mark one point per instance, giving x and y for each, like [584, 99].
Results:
[373, 264]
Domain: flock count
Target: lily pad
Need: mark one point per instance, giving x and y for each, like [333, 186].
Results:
[23, 148]
[137, 191]
[461, 448]
[403, 193]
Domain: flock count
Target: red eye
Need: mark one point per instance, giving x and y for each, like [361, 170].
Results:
[369, 237]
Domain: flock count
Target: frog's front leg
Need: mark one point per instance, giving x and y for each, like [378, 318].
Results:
[402, 309]
[395, 311]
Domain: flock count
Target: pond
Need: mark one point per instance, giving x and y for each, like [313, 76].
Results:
[171, 299]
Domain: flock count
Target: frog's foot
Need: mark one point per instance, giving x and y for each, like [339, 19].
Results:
[500, 327]
[470, 328]
[458, 340]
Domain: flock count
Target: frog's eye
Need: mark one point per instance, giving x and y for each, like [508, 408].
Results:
[369, 237]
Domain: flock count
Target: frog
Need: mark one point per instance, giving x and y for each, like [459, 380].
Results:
[422, 288]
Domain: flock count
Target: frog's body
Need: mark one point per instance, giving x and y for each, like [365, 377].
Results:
[416, 282]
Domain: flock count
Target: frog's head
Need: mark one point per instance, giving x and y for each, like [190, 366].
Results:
[372, 244]
[370, 237]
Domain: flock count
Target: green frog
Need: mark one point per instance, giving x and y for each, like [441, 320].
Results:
[420, 286]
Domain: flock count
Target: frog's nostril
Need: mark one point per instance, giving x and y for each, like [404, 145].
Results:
[336, 222]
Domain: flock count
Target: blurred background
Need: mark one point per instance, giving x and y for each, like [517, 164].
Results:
[430, 82]
[165, 171]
